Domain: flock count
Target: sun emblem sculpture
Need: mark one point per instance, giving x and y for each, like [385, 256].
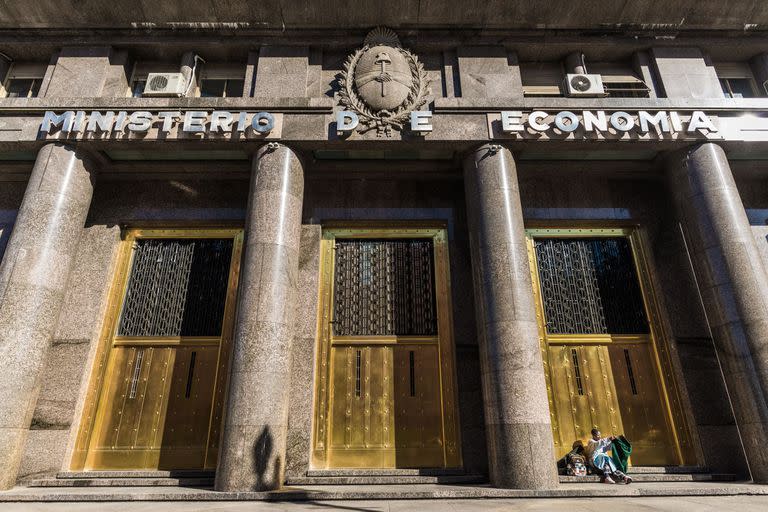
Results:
[383, 83]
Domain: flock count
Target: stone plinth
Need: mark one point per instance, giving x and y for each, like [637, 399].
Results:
[33, 277]
[252, 455]
[520, 446]
[733, 286]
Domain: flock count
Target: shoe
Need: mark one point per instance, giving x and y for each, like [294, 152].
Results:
[627, 480]
[608, 480]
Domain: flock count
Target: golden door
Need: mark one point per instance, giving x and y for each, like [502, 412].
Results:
[161, 395]
[599, 345]
[385, 372]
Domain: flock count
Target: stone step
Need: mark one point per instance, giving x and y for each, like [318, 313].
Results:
[385, 472]
[387, 480]
[180, 473]
[667, 469]
[122, 482]
[656, 477]
[375, 492]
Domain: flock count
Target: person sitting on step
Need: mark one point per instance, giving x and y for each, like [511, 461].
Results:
[597, 455]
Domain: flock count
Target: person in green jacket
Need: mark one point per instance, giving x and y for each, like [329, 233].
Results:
[597, 455]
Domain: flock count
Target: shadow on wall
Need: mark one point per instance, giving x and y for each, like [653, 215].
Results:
[263, 451]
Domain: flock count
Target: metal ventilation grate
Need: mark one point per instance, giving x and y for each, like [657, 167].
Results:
[176, 288]
[589, 286]
[384, 287]
[158, 83]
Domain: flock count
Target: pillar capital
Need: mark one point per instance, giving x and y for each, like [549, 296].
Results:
[487, 149]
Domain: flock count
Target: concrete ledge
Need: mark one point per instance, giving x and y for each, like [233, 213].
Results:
[393, 492]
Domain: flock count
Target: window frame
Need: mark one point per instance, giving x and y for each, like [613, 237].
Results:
[34, 71]
[727, 71]
[544, 79]
[220, 71]
[618, 74]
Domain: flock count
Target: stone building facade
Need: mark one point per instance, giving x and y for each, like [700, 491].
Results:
[445, 242]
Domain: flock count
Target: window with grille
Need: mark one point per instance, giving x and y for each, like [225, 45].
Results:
[590, 286]
[384, 287]
[177, 287]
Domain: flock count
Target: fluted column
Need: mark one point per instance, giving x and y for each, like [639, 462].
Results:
[252, 455]
[733, 286]
[33, 278]
[520, 443]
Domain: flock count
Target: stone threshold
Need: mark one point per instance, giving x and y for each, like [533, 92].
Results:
[389, 492]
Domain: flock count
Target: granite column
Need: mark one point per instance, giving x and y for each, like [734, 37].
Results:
[520, 445]
[252, 453]
[33, 279]
[733, 286]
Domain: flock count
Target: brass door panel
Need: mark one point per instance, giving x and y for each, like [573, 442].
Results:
[385, 407]
[580, 376]
[385, 393]
[638, 391]
[131, 428]
[599, 337]
[185, 435]
[418, 426]
[158, 403]
[362, 421]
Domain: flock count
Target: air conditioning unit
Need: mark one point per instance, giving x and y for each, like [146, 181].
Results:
[165, 84]
[584, 85]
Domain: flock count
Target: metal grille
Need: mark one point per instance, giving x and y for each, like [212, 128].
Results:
[589, 286]
[176, 288]
[384, 287]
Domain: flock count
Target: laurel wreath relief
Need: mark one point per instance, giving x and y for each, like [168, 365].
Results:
[383, 121]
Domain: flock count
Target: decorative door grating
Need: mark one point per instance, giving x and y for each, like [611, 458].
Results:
[589, 286]
[384, 287]
[177, 287]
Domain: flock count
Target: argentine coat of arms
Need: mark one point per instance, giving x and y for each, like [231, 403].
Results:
[383, 83]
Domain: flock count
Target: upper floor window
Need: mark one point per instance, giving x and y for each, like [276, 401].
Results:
[213, 80]
[542, 79]
[619, 81]
[736, 80]
[222, 81]
[545, 79]
[23, 80]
